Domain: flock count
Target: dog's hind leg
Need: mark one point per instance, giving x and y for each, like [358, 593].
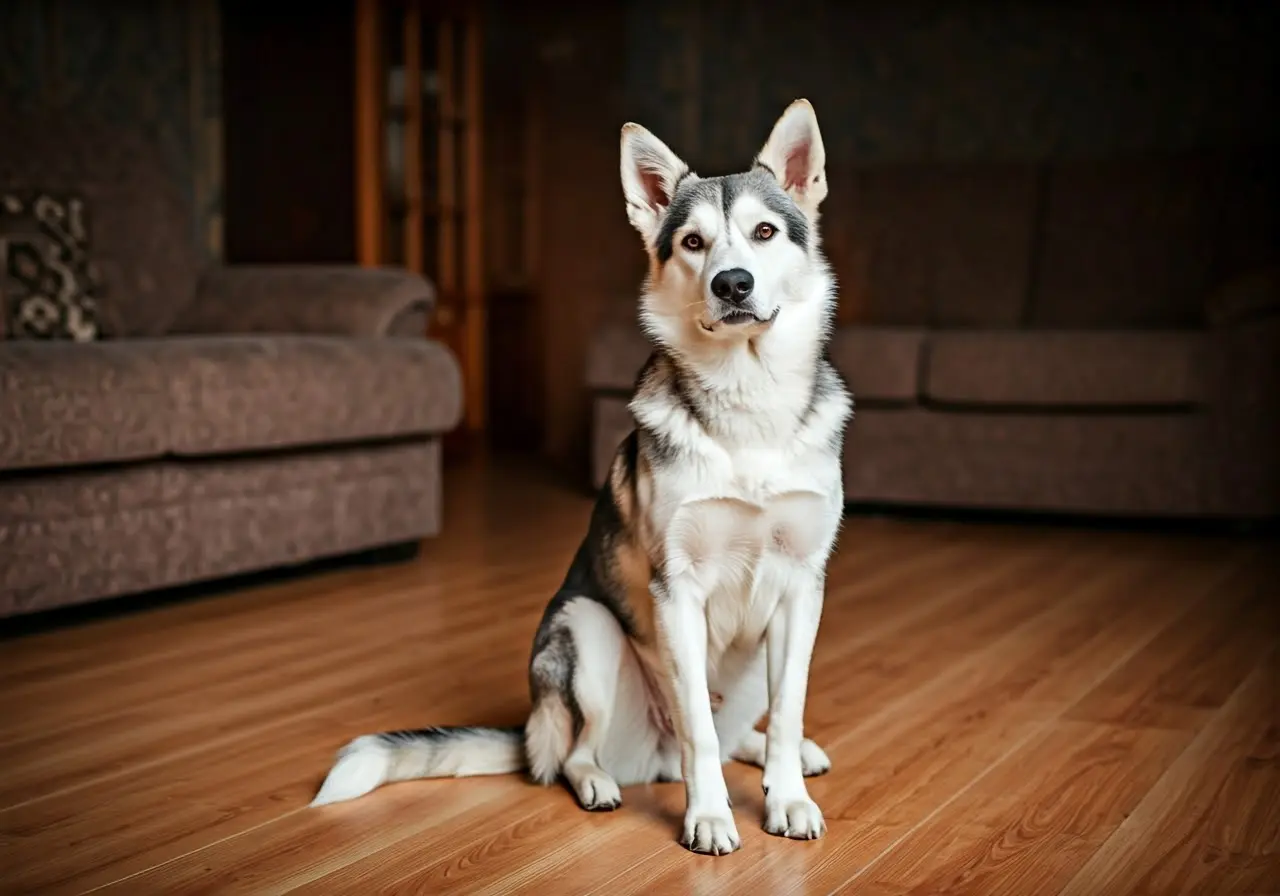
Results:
[575, 676]
[813, 760]
[600, 648]
[746, 700]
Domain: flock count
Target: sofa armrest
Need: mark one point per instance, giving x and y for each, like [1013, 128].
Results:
[321, 299]
[1247, 298]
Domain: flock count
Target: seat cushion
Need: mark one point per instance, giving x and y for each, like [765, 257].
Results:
[243, 393]
[944, 244]
[1128, 464]
[63, 404]
[74, 535]
[1078, 369]
[1127, 243]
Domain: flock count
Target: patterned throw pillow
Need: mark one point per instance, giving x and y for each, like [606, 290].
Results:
[48, 285]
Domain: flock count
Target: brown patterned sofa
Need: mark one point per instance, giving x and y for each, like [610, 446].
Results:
[1095, 337]
[230, 418]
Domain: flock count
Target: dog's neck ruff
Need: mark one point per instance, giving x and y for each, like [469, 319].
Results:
[754, 390]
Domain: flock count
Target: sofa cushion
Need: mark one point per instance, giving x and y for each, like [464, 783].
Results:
[1068, 369]
[64, 404]
[1129, 464]
[1127, 243]
[940, 244]
[879, 363]
[242, 393]
[73, 535]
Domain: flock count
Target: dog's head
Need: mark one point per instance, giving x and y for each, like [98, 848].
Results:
[727, 254]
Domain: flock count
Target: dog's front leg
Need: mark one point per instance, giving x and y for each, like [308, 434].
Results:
[789, 812]
[682, 634]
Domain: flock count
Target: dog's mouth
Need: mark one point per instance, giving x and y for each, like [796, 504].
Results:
[741, 318]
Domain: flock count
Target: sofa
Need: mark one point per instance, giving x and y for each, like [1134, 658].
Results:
[1086, 337]
[199, 420]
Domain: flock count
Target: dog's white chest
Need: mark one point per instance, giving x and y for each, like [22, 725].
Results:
[749, 502]
[735, 535]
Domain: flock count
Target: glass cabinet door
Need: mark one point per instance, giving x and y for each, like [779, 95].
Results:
[418, 163]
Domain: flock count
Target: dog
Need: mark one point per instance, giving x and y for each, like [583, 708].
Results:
[690, 610]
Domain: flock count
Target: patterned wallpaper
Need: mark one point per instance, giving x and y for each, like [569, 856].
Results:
[918, 80]
[152, 65]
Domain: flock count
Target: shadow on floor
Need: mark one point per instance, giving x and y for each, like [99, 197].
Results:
[129, 604]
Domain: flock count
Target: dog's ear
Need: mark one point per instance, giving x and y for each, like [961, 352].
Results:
[796, 157]
[650, 172]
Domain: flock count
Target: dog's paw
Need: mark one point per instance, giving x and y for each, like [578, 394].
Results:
[597, 792]
[798, 819]
[813, 761]
[711, 833]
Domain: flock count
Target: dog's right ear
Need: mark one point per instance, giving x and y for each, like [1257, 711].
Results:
[650, 172]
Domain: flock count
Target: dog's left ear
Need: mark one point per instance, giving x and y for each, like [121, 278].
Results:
[795, 155]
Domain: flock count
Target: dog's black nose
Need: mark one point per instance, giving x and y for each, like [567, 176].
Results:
[733, 285]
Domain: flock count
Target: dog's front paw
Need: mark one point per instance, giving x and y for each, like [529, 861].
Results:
[797, 818]
[711, 833]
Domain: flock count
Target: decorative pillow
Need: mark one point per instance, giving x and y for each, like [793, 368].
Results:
[48, 285]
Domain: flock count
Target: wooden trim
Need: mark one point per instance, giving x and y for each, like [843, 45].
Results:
[413, 222]
[447, 203]
[532, 249]
[368, 133]
[473, 223]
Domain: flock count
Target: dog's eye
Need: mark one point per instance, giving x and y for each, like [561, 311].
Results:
[765, 232]
[692, 242]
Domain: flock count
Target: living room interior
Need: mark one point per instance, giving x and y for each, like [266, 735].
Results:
[340, 343]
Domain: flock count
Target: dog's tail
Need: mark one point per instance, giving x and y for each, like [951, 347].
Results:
[376, 759]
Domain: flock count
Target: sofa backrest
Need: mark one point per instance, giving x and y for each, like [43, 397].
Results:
[932, 244]
[1125, 243]
[141, 230]
[1111, 244]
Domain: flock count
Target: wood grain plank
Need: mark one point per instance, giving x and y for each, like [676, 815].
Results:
[1186, 674]
[89, 750]
[995, 700]
[302, 845]
[213, 795]
[892, 576]
[908, 752]
[1026, 826]
[1211, 824]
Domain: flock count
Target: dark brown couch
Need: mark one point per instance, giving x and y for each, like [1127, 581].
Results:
[233, 420]
[1098, 337]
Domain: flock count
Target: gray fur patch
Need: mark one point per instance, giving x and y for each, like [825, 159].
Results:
[554, 665]
[688, 194]
[725, 191]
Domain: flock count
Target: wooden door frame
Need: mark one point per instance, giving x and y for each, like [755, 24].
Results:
[461, 293]
[369, 112]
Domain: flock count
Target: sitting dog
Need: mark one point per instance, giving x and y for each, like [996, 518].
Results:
[691, 607]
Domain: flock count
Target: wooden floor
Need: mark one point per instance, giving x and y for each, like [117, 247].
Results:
[1010, 710]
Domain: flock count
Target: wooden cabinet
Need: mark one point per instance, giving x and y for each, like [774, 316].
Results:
[356, 133]
[419, 164]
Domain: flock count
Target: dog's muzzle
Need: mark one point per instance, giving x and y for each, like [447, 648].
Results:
[738, 317]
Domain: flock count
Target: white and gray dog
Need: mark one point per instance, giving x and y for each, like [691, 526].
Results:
[690, 610]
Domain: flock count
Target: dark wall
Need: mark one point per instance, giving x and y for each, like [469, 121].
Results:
[892, 81]
[150, 66]
[288, 82]
[943, 80]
